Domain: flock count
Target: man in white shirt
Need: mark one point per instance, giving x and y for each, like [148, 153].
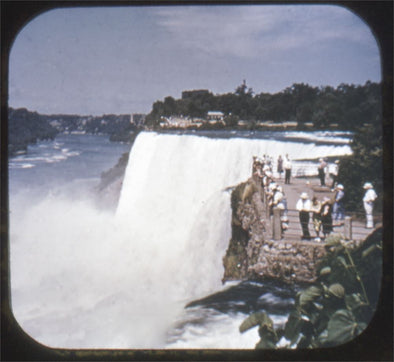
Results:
[304, 207]
[287, 167]
[369, 199]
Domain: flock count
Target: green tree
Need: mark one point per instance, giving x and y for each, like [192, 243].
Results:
[226, 103]
[231, 121]
[349, 106]
[169, 107]
[243, 90]
[304, 113]
[364, 165]
[328, 108]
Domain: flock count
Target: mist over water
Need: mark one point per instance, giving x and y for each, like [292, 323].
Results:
[83, 277]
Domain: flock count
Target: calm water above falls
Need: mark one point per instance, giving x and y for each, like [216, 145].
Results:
[75, 268]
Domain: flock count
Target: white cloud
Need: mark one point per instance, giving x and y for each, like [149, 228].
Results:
[250, 31]
[95, 61]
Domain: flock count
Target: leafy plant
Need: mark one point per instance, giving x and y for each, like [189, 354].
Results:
[338, 306]
[365, 164]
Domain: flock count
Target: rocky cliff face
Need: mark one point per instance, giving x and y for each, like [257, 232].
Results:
[109, 188]
[247, 231]
[252, 254]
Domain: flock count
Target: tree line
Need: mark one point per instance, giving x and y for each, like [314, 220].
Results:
[348, 106]
[355, 108]
[26, 127]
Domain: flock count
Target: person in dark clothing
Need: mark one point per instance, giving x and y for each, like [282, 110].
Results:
[322, 172]
[280, 166]
[257, 171]
[326, 216]
[287, 167]
[304, 206]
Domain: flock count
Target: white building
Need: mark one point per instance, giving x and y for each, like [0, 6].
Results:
[215, 116]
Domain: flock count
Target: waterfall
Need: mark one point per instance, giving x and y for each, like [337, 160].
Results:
[174, 202]
[98, 280]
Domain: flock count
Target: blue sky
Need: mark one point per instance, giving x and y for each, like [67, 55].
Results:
[97, 60]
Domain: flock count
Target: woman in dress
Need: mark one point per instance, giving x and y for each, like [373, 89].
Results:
[326, 216]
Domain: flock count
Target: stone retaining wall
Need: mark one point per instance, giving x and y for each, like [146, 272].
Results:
[287, 260]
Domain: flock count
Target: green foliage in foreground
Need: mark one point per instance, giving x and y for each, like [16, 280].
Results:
[338, 307]
[364, 165]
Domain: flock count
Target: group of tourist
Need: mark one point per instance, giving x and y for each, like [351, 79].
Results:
[323, 168]
[274, 195]
[326, 213]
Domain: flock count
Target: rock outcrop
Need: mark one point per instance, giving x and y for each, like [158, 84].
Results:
[109, 188]
[252, 254]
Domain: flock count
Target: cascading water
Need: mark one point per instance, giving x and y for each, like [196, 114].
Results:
[98, 280]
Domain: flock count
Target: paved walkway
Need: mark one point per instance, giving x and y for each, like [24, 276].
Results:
[312, 187]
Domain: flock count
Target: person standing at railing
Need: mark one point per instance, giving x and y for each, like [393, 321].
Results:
[282, 205]
[279, 166]
[255, 164]
[257, 170]
[267, 179]
[322, 171]
[287, 167]
[263, 161]
[270, 193]
[338, 212]
[326, 216]
[334, 174]
[369, 199]
[283, 201]
[277, 197]
[304, 207]
[316, 216]
[268, 163]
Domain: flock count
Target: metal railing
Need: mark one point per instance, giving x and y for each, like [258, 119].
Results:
[347, 227]
[351, 227]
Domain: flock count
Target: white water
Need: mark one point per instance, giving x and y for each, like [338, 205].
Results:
[83, 278]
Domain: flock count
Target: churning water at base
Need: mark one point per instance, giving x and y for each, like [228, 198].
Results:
[86, 278]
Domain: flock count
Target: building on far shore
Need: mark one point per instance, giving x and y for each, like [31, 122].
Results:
[179, 122]
[215, 116]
